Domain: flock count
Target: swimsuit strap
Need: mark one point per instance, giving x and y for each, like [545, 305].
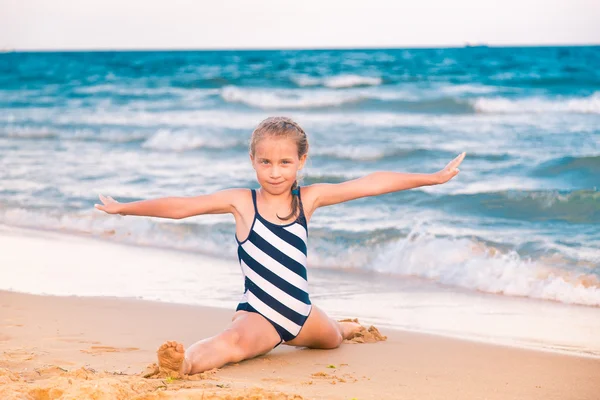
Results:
[301, 217]
[254, 201]
[300, 203]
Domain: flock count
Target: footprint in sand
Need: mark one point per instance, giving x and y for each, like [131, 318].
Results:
[69, 340]
[20, 354]
[94, 350]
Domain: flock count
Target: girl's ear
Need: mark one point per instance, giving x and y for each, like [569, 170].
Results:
[251, 159]
[302, 161]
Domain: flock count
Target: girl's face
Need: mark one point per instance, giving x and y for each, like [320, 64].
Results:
[276, 163]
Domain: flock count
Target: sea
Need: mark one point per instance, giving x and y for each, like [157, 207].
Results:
[518, 229]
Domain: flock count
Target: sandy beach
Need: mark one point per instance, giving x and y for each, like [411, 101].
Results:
[73, 348]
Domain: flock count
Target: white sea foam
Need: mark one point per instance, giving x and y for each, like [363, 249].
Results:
[27, 132]
[471, 265]
[107, 135]
[174, 234]
[467, 89]
[305, 80]
[310, 98]
[497, 184]
[346, 81]
[338, 81]
[476, 124]
[424, 253]
[358, 153]
[166, 139]
[586, 105]
[278, 98]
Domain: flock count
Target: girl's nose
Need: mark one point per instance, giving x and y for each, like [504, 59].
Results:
[275, 172]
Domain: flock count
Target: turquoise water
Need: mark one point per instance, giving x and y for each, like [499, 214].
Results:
[521, 219]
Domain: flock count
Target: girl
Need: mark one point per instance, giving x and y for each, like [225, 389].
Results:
[271, 231]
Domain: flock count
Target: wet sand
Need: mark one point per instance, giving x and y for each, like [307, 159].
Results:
[71, 347]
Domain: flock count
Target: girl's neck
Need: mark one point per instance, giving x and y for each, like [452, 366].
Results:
[275, 199]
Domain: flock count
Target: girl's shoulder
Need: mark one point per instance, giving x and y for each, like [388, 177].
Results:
[309, 195]
[240, 196]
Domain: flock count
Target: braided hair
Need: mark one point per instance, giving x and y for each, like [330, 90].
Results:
[282, 127]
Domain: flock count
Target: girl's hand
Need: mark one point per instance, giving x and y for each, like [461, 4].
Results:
[451, 170]
[110, 205]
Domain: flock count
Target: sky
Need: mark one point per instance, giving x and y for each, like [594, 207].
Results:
[242, 24]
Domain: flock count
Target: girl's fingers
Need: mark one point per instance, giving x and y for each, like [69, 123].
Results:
[106, 199]
[458, 159]
[456, 162]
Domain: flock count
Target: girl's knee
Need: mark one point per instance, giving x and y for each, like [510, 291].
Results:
[232, 340]
[336, 340]
[336, 337]
[331, 341]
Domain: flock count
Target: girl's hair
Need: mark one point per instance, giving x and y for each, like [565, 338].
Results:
[282, 127]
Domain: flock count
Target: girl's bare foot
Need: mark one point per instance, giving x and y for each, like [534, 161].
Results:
[171, 359]
[350, 327]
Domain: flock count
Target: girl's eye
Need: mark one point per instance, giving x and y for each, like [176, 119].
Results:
[264, 162]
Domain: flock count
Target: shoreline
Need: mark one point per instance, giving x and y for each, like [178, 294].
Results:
[105, 268]
[120, 336]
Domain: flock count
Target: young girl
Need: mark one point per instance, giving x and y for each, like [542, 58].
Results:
[271, 232]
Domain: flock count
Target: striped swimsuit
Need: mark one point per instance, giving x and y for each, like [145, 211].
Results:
[273, 261]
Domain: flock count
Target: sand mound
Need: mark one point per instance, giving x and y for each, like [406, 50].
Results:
[56, 383]
[364, 335]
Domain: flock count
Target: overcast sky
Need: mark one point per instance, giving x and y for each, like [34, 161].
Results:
[198, 24]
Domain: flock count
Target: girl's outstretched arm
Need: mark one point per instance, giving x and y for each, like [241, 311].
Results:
[380, 183]
[221, 202]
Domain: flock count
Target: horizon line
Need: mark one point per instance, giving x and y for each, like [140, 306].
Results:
[299, 48]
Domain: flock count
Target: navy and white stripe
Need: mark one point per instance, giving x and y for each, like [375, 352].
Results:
[273, 261]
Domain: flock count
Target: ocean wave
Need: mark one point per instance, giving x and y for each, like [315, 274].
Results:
[71, 134]
[28, 132]
[398, 100]
[579, 206]
[465, 262]
[165, 139]
[338, 81]
[282, 99]
[176, 119]
[469, 123]
[209, 238]
[570, 164]
[373, 153]
[146, 92]
[462, 89]
[538, 105]
[472, 265]
[312, 178]
[106, 136]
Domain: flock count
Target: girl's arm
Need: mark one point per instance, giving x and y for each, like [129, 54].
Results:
[221, 202]
[380, 183]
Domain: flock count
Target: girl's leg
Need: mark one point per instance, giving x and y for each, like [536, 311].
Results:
[322, 332]
[249, 335]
